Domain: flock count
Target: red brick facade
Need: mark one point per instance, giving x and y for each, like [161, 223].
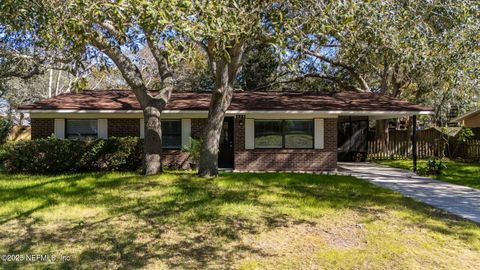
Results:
[197, 127]
[177, 158]
[287, 159]
[269, 159]
[245, 160]
[123, 127]
[42, 127]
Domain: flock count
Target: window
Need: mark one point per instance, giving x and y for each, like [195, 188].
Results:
[298, 133]
[268, 134]
[171, 134]
[284, 134]
[81, 128]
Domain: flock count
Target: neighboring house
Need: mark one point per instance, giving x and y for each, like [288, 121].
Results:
[263, 131]
[19, 133]
[469, 120]
[446, 132]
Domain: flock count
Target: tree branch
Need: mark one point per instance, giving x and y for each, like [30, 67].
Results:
[235, 62]
[385, 77]
[35, 70]
[351, 70]
[129, 70]
[164, 70]
[325, 77]
[108, 25]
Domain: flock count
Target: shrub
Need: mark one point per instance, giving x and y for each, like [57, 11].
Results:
[193, 151]
[55, 155]
[5, 128]
[433, 167]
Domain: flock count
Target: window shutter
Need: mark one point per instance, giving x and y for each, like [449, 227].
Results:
[319, 134]
[102, 128]
[249, 133]
[142, 129]
[186, 132]
[59, 128]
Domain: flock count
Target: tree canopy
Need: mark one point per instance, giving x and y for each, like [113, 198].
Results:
[425, 51]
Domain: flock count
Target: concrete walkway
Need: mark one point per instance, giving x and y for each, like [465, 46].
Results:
[459, 200]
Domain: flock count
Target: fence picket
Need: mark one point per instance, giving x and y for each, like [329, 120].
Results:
[430, 143]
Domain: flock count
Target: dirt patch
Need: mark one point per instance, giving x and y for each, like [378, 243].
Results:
[306, 238]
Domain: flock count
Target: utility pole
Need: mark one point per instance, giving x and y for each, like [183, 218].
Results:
[414, 142]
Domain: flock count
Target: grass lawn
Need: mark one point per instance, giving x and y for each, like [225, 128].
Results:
[239, 221]
[466, 174]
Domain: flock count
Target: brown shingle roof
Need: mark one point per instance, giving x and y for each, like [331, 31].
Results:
[125, 100]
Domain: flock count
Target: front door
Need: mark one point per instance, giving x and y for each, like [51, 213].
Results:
[225, 154]
[352, 139]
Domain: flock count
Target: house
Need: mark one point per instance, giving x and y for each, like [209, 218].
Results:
[262, 131]
[469, 120]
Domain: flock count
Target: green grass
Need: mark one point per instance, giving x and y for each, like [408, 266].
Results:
[239, 221]
[465, 174]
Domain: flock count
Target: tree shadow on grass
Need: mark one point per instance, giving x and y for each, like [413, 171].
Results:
[27, 213]
[21, 245]
[182, 221]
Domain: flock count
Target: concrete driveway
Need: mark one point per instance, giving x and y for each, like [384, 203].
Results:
[459, 200]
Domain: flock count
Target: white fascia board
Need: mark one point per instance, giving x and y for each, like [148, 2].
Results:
[85, 115]
[336, 112]
[78, 111]
[380, 113]
[203, 113]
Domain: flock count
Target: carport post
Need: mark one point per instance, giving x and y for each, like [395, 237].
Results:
[414, 142]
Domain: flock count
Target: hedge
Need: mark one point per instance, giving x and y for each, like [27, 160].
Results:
[55, 155]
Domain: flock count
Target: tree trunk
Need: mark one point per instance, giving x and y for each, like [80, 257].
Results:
[50, 82]
[152, 105]
[57, 85]
[381, 130]
[153, 140]
[220, 101]
[225, 73]
[409, 126]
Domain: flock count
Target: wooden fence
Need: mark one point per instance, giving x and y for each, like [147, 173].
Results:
[430, 143]
[470, 149]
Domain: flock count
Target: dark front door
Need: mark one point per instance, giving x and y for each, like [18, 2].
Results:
[352, 138]
[225, 155]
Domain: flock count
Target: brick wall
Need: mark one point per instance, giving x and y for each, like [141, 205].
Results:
[42, 127]
[177, 158]
[287, 159]
[197, 127]
[245, 160]
[123, 127]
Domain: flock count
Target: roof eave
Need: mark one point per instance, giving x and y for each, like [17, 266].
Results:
[334, 112]
[464, 116]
